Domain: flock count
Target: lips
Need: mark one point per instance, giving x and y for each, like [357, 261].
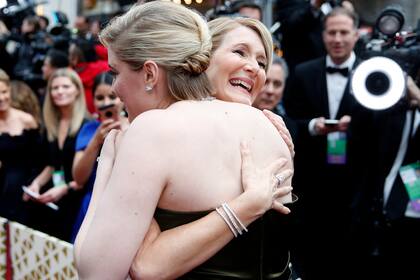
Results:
[244, 83]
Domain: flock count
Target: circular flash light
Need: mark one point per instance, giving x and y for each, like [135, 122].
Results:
[389, 83]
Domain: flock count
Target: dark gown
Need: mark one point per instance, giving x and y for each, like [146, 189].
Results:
[59, 223]
[19, 163]
[260, 253]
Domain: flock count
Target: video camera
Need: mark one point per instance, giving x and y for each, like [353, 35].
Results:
[380, 80]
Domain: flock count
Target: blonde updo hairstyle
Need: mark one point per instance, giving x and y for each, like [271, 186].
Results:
[171, 35]
[220, 26]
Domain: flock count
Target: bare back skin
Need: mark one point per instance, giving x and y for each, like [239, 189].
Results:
[183, 158]
[208, 163]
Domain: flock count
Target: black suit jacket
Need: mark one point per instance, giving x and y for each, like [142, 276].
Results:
[384, 141]
[318, 183]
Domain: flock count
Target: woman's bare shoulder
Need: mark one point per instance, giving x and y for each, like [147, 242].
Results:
[26, 119]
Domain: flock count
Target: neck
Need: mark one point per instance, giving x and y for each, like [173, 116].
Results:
[66, 112]
[4, 115]
[339, 61]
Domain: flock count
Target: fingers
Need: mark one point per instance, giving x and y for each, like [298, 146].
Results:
[345, 119]
[276, 166]
[279, 207]
[105, 164]
[282, 191]
[245, 156]
[279, 124]
[25, 197]
[279, 193]
[247, 166]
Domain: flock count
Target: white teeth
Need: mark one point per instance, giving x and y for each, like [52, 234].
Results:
[242, 83]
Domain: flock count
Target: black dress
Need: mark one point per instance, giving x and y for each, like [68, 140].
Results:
[59, 223]
[19, 163]
[260, 253]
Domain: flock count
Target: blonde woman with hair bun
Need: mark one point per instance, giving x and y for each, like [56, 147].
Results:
[185, 162]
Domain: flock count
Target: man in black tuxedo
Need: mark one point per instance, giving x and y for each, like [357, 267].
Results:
[320, 102]
[386, 225]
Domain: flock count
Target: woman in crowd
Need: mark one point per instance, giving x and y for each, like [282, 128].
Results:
[64, 113]
[179, 160]
[23, 98]
[91, 137]
[19, 136]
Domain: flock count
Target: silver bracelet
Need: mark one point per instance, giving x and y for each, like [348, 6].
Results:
[220, 212]
[234, 215]
[231, 218]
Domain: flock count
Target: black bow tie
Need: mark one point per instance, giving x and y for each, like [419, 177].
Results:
[342, 71]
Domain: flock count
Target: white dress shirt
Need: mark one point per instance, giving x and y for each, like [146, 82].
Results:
[336, 84]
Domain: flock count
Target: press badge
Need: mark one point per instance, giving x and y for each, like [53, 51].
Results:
[336, 147]
[410, 175]
[58, 178]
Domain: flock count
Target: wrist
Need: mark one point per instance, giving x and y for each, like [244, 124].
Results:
[249, 206]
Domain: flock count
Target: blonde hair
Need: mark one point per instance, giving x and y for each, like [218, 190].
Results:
[4, 77]
[23, 98]
[220, 26]
[176, 38]
[51, 113]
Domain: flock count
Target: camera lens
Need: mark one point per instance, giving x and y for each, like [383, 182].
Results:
[108, 114]
[377, 83]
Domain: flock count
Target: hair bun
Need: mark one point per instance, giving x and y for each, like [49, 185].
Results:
[197, 63]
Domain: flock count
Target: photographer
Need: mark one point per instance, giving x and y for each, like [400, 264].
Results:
[301, 28]
[385, 222]
[28, 42]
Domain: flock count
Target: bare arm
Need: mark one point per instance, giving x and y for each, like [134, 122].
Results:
[172, 253]
[124, 207]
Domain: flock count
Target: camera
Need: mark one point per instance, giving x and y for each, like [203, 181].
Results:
[225, 10]
[107, 110]
[329, 5]
[379, 81]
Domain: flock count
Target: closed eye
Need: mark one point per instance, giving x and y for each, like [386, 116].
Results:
[262, 65]
[240, 52]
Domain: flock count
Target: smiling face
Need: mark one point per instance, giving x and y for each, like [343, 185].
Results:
[339, 36]
[63, 91]
[272, 91]
[237, 67]
[5, 97]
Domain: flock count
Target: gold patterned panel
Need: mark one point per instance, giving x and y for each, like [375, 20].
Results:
[36, 255]
[3, 248]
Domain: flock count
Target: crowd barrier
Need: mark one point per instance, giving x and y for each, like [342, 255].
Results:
[28, 254]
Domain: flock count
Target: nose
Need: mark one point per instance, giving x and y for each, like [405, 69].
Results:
[269, 88]
[107, 101]
[337, 37]
[252, 66]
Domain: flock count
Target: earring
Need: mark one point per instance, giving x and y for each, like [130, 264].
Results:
[148, 88]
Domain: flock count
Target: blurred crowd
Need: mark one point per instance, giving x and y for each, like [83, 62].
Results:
[355, 218]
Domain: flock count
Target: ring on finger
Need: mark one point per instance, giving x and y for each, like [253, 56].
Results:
[280, 179]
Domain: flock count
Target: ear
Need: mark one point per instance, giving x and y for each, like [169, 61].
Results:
[151, 73]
